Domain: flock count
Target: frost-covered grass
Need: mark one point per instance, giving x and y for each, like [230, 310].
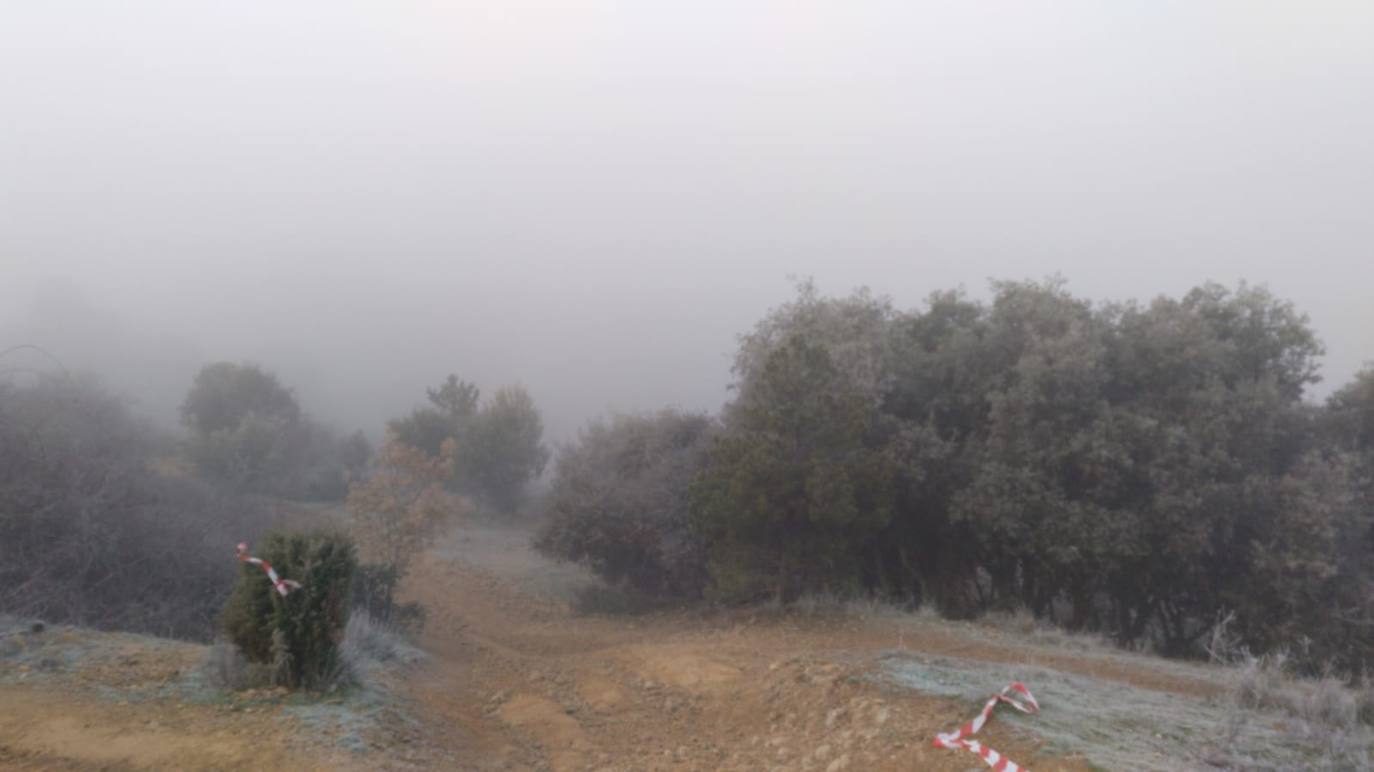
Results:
[862, 607]
[134, 669]
[370, 649]
[1118, 726]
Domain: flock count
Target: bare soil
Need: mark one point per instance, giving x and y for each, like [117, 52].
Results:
[77, 699]
[516, 679]
[519, 680]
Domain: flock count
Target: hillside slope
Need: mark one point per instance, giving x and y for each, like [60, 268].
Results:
[515, 679]
[518, 680]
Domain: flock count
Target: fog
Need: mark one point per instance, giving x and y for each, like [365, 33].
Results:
[595, 198]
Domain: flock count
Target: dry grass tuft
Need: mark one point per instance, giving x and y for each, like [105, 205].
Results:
[837, 605]
[1326, 716]
[226, 668]
[370, 647]
[1026, 626]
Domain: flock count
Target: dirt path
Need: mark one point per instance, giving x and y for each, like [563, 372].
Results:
[516, 680]
[520, 681]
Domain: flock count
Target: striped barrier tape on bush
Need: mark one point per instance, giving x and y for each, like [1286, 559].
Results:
[1015, 695]
[281, 585]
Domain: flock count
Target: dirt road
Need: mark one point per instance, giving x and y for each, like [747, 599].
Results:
[516, 680]
[519, 681]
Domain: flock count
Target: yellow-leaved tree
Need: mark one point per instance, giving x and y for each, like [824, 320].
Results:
[395, 515]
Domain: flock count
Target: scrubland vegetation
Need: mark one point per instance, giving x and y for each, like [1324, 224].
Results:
[1143, 471]
[93, 530]
[109, 522]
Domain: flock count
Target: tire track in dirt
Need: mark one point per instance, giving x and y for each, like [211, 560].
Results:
[519, 681]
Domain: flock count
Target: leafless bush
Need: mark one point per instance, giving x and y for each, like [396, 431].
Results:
[1026, 626]
[1261, 682]
[369, 646]
[1324, 715]
[1364, 700]
[1223, 644]
[225, 667]
[849, 606]
[91, 535]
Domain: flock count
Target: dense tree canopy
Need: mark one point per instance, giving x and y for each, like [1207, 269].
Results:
[95, 529]
[499, 444]
[798, 483]
[225, 394]
[247, 430]
[620, 499]
[1137, 469]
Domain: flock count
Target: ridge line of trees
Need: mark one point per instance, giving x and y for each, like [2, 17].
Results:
[1133, 469]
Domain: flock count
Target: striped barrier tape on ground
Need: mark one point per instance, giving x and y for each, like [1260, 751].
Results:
[281, 585]
[1015, 695]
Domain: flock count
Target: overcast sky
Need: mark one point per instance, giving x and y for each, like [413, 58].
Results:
[594, 198]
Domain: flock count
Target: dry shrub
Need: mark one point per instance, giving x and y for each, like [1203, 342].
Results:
[1265, 683]
[225, 667]
[1326, 714]
[619, 503]
[1262, 683]
[370, 646]
[91, 534]
[827, 605]
[398, 512]
[1025, 625]
[1364, 700]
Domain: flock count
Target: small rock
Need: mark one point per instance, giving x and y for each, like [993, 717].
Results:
[838, 764]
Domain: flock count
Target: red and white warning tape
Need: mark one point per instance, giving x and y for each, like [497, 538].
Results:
[1015, 695]
[281, 585]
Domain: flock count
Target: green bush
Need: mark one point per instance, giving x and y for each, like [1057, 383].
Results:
[619, 503]
[797, 483]
[299, 634]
